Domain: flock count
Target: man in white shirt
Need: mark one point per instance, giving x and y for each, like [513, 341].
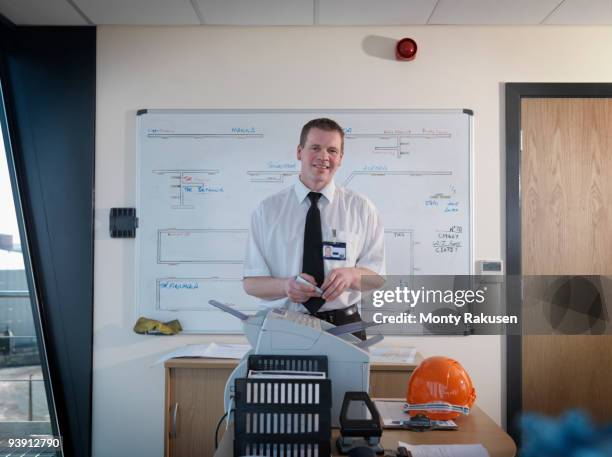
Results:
[314, 225]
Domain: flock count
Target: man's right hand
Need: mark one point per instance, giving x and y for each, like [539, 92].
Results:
[299, 293]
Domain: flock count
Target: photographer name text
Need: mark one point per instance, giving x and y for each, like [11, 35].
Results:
[447, 319]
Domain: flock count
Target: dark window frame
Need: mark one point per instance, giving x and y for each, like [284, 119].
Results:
[48, 76]
[41, 336]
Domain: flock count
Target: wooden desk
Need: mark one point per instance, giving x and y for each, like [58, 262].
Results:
[473, 429]
[194, 399]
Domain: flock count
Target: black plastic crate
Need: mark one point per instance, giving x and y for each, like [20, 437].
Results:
[288, 362]
[283, 417]
[286, 447]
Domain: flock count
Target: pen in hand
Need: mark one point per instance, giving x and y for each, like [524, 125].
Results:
[301, 280]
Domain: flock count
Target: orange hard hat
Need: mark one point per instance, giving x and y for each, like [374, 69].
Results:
[440, 389]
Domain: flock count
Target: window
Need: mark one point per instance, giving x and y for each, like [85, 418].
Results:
[24, 409]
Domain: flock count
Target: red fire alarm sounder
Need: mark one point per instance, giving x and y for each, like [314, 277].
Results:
[405, 49]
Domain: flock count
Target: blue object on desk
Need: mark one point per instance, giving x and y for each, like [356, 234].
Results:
[572, 435]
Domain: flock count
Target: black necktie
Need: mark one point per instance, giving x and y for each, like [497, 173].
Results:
[313, 250]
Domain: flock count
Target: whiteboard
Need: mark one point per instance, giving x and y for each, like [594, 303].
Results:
[203, 172]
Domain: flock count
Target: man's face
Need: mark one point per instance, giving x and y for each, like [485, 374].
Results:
[321, 156]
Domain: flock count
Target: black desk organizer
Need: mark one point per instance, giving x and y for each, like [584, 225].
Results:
[283, 417]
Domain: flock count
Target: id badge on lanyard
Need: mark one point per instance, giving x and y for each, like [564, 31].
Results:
[334, 250]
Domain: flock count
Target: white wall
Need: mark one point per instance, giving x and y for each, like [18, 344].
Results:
[291, 67]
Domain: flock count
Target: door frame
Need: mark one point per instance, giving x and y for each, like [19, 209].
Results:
[514, 93]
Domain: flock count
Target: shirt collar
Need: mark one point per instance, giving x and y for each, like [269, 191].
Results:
[301, 191]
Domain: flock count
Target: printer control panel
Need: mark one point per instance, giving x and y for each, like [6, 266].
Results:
[297, 318]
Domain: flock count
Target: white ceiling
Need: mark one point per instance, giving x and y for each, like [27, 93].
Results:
[307, 12]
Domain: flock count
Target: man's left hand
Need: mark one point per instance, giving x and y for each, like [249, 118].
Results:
[338, 280]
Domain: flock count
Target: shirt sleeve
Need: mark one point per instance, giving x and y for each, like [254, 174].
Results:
[372, 256]
[255, 263]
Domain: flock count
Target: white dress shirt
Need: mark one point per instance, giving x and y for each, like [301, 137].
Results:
[276, 237]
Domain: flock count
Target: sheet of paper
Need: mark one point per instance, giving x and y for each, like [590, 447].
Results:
[209, 350]
[227, 351]
[393, 355]
[391, 410]
[446, 450]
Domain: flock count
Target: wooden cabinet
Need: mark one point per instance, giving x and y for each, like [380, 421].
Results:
[194, 400]
[390, 380]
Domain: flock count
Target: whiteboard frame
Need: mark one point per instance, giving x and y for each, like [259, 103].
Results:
[323, 112]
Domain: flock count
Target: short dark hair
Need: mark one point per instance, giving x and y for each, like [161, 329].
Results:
[322, 123]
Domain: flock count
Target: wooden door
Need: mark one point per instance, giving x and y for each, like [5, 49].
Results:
[566, 229]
